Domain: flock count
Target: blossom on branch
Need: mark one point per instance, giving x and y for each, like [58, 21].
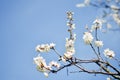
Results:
[70, 45]
[68, 55]
[52, 45]
[69, 15]
[45, 47]
[109, 53]
[70, 50]
[97, 24]
[87, 37]
[98, 43]
[40, 61]
[41, 65]
[73, 26]
[55, 64]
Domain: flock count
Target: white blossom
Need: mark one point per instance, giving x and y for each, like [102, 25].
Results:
[43, 48]
[98, 21]
[55, 64]
[80, 5]
[114, 7]
[39, 60]
[41, 64]
[108, 78]
[68, 24]
[97, 24]
[74, 37]
[87, 37]
[109, 53]
[52, 45]
[70, 45]
[69, 15]
[70, 49]
[73, 26]
[98, 43]
[46, 74]
[39, 48]
[68, 55]
[63, 58]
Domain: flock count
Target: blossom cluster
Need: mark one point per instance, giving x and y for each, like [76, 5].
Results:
[54, 64]
[45, 47]
[109, 53]
[88, 39]
[97, 24]
[70, 50]
[40, 61]
[43, 67]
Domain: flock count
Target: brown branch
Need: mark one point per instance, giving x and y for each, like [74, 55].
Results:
[95, 72]
[106, 70]
[98, 62]
[108, 64]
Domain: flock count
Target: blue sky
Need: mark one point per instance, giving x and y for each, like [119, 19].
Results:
[27, 23]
